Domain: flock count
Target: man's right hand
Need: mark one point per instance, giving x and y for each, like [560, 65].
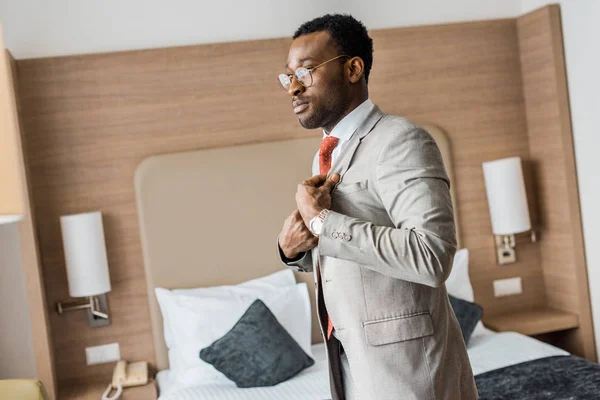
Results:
[295, 237]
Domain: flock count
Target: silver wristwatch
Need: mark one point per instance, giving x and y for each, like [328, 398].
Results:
[316, 223]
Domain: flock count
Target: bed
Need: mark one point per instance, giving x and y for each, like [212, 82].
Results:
[506, 365]
[488, 352]
[208, 220]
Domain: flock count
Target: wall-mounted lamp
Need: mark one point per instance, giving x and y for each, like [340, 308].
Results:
[12, 204]
[507, 201]
[87, 266]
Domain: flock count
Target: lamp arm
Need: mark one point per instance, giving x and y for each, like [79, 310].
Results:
[95, 306]
[92, 303]
[72, 306]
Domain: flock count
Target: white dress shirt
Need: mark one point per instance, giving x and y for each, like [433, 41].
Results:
[344, 131]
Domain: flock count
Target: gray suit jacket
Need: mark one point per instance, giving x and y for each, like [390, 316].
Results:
[383, 256]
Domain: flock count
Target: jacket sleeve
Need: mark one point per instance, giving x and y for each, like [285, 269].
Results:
[302, 263]
[414, 189]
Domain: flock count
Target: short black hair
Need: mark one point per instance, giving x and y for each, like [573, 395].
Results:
[349, 34]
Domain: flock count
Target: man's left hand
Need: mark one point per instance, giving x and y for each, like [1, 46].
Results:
[314, 195]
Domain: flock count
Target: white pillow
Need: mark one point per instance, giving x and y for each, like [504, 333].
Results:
[291, 307]
[281, 278]
[196, 321]
[459, 285]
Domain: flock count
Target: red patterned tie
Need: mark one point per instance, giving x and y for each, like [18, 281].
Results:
[327, 146]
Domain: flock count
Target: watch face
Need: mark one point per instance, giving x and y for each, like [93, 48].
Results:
[315, 225]
[311, 225]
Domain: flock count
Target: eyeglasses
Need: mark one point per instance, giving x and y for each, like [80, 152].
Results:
[303, 75]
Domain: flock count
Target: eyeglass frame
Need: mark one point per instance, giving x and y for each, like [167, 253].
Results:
[292, 75]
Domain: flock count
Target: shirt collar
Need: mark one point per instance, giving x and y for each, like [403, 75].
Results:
[348, 125]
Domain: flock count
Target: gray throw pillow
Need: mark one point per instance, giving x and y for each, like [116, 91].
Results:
[468, 315]
[257, 351]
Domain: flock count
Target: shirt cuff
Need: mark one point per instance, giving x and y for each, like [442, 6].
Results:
[290, 260]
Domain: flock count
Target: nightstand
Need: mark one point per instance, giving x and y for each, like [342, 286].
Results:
[94, 392]
[533, 322]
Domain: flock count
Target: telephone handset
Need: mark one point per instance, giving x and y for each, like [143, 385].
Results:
[126, 375]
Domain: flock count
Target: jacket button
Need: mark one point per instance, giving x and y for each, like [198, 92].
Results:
[334, 235]
[347, 238]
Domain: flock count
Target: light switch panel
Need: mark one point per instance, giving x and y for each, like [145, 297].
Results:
[508, 287]
[102, 354]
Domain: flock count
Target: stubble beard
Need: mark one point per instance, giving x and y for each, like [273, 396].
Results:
[324, 116]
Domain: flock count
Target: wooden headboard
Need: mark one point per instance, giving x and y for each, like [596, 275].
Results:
[212, 217]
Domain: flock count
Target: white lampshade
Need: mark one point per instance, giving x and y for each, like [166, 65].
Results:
[85, 254]
[506, 196]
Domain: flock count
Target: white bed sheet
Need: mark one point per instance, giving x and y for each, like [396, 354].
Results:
[312, 383]
[487, 351]
[497, 350]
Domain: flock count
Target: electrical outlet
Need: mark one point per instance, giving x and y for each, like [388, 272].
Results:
[508, 287]
[102, 354]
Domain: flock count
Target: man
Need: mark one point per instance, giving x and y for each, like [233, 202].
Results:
[376, 227]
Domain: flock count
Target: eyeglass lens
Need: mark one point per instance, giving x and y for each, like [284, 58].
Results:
[303, 76]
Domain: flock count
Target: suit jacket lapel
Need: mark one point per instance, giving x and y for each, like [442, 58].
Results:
[343, 162]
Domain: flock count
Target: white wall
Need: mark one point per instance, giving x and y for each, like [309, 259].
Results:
[37, 28]
[581, 32]
[17, 359]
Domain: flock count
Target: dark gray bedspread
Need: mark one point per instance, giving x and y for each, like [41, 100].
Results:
[556, 378]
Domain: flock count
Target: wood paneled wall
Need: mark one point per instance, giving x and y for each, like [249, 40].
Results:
[89, 120]
[561, 248]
